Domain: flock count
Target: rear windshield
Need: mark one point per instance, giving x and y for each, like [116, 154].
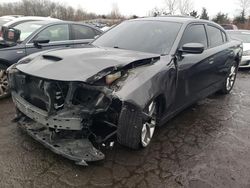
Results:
[144, 36]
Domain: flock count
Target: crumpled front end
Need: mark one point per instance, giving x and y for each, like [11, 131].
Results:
[72, 119]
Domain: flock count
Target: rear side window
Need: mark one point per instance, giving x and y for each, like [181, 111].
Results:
[82, 32]
[215, 36]
[195, 34]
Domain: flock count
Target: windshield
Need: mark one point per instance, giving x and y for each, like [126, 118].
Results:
[27, 29]
[144, 36]
[242, 36]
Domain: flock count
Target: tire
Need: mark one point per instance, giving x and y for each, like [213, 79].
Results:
[131, 126]
[229, 80]
[4, 87]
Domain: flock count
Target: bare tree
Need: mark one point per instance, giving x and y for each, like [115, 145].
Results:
[157, 12]
[172, 6]
[244, 5]
[45, 8]
[185, 6]
[115, 12]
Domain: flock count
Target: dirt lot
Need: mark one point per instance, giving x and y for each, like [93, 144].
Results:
[208, 145]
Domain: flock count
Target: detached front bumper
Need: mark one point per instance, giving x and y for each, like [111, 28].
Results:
[245, 62]
[38, 127]
[80, 151]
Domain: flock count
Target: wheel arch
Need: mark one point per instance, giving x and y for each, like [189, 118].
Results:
[5, 62]
[237, 58]
[161, 101]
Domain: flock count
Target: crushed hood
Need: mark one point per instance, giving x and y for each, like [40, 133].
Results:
[80, 64]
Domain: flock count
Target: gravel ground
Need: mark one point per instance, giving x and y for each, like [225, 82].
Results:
[207, 145]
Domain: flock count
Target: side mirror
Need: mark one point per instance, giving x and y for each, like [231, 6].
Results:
[192, 48]
[39, 41]
[10, 34]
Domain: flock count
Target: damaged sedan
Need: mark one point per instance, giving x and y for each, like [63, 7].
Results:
[131, 79]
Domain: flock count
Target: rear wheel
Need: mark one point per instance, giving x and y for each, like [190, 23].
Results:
[133, 131]
[230, 80]
[4, 86]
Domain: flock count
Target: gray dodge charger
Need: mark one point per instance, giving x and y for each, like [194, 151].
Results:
[131, 79]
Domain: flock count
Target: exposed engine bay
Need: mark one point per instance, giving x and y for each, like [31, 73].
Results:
[66, 114]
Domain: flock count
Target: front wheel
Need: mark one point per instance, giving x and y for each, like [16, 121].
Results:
[4, 86]
[230, 79]
[133, 131]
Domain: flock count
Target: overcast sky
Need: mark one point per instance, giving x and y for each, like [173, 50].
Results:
[142, 7]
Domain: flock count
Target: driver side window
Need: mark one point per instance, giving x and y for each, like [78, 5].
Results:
[55, 33]
[195, 34]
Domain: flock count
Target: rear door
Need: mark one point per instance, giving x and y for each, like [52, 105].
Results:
[82, 34]
[221, 54]
[59, 36]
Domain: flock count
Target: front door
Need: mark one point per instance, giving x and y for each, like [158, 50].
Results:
[194, 70]
[58, 36]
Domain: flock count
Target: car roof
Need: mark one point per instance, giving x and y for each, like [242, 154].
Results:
[13, 16]
[27, 18]
[41, 22]
[7, 17]
[179, 19]
[54, 22]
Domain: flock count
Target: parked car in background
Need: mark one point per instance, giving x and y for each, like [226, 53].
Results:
[229, 27]
[134, 77]
[5, 19]
[15, 20]
[41, 35]
[244, 37]
[105, 28]
[24, 19]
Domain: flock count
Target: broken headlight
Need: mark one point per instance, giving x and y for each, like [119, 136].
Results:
[24, 61]
[112, 77]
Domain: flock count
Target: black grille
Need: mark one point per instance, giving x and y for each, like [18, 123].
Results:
[45, 94]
